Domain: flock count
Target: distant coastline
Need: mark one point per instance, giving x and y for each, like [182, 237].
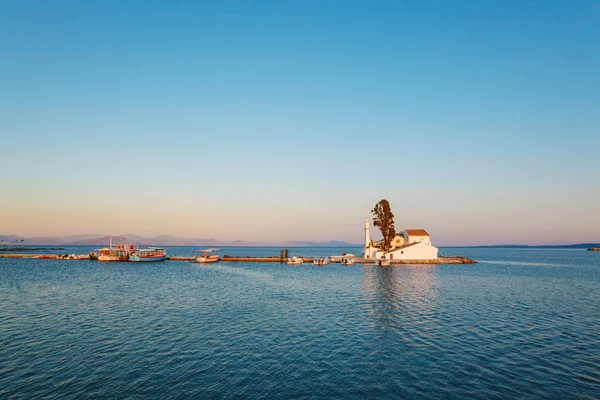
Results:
[163, 240]
[524, 246]
[166, 240]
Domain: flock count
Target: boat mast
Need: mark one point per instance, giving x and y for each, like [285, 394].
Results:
[110, 241]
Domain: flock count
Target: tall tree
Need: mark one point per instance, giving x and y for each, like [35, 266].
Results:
[383, 218]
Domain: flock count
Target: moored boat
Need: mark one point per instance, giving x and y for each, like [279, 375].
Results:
[320, 261]
[113, 254]
[339, 259]
[148, 255]
[347, 260]
[119, 253]
[295, 261]
[207, 256]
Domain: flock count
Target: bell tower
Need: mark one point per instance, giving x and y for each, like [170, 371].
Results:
[367, 239]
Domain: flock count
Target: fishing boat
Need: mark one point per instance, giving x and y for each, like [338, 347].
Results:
[147, 255]
[207, 256]
[119, 253]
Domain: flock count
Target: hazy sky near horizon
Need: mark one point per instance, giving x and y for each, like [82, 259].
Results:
[288, 120]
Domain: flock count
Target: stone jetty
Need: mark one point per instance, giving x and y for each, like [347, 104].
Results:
[271, 259]
[357, 260]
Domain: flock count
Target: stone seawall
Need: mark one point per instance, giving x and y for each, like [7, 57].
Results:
[441, 260]
[272, 259]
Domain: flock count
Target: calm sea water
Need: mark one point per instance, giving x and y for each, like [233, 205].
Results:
[519, 324]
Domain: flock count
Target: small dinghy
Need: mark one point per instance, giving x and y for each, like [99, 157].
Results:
[295, 261]
[347, 261]
[320, 261]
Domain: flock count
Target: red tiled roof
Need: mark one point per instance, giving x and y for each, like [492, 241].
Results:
[417, 232]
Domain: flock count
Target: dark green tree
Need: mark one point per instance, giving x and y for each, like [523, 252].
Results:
[383, 218]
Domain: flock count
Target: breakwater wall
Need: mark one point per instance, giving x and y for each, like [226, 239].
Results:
[272, 259]
[307, 260]
[243, 259]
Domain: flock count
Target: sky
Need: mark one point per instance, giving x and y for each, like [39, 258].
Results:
[288, 120]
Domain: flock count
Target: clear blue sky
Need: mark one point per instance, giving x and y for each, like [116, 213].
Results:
[288, 120]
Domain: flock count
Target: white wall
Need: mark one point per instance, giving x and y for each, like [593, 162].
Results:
[419, 251]
[422, 250]
[424, 239]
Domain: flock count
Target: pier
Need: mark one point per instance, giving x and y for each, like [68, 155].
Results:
[271, 259]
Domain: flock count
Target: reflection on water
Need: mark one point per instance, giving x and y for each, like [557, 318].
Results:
[522, 263]
[396, 295]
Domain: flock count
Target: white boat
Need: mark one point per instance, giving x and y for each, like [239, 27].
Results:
[295, 261]
[338, 259]
[207, 256]
[320, 261]
[119, 253]
[347, 261]
[383, 262]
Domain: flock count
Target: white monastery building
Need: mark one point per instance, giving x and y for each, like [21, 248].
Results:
[411, 244]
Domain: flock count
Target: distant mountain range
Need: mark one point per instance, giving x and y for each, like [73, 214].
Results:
[47, 240]
[331, 243]
[94, 239]
[162, 240]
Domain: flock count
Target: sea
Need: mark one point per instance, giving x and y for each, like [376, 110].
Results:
[519, 324]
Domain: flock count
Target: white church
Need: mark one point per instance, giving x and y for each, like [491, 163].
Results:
[411, 244]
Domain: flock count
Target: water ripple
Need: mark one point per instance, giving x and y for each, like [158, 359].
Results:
[524, 326]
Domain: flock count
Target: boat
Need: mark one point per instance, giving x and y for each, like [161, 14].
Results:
[207, 256]
[383, 262]
[147, 255]
[339, 259]
[295, 261]
[94, 255]
[119, 253]
[347, 260]
[320, 261]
